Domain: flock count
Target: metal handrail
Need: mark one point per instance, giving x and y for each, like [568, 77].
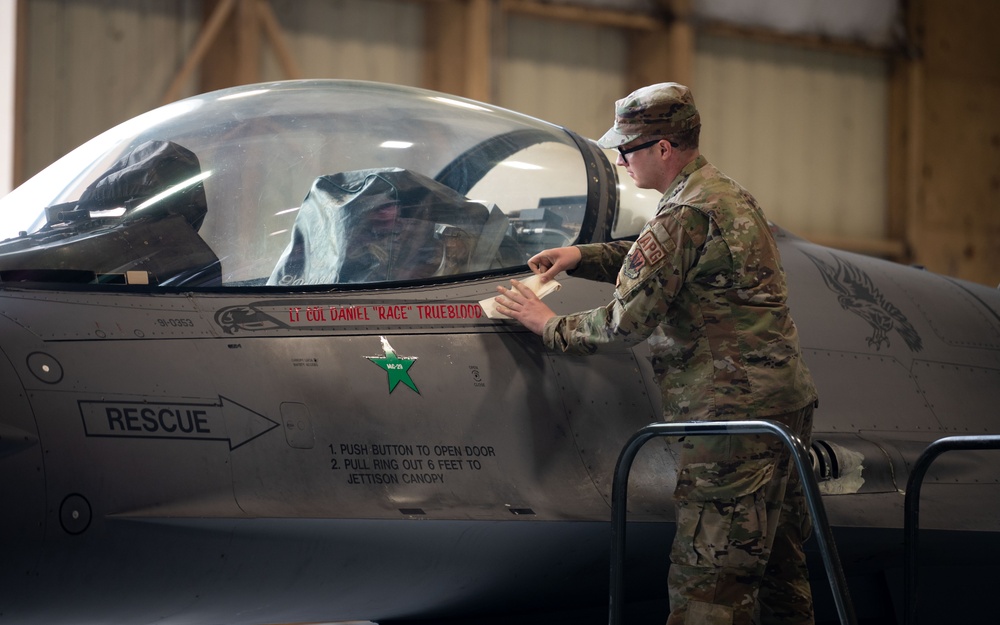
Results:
[911, 509]
[800, 455]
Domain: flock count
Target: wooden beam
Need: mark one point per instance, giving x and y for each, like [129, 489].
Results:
[272, 29]
[444, 34]
[665, 54]
[231, 37]
[903, 141]
[628, 20]
[808, 42]
[890, 249]
[247, 43]
[20, 94]
[206, 38]
[953, 224]
[479, 48]
[913, 123]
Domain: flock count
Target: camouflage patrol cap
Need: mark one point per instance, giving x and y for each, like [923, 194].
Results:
[662, 109]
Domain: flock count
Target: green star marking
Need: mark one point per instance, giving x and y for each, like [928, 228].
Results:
[396, 367]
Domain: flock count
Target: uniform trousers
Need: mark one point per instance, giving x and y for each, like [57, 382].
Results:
[737, 557]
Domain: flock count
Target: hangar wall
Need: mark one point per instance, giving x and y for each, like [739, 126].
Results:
[951, 138]
[8, 54]
[91, 64]
[812, 130]
[804, 130]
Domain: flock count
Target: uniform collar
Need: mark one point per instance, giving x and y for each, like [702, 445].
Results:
[678, 183]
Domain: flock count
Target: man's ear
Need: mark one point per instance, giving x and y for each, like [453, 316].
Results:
[665, 149]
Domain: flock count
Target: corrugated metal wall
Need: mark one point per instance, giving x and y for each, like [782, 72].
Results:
[566, 73]
[92, 64]
[805, 131]
[378, 40]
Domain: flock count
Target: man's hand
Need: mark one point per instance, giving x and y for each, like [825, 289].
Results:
[549, 263]
[522, 304]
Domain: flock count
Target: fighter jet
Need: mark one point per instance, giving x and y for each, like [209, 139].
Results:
[248, 378]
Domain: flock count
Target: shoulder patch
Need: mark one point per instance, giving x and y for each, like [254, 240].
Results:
[651, 247]
[634, 262]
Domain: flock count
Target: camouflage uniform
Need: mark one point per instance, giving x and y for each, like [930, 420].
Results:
[704, 285]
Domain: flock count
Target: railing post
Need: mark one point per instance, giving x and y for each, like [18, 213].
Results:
[799, 455]
[911, 510]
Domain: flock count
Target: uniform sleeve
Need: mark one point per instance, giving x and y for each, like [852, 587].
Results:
[649, 278]
[601, 261]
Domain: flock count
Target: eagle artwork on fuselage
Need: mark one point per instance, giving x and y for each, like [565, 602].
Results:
[857, 293]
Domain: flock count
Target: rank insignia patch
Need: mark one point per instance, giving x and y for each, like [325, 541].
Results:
[651, 248]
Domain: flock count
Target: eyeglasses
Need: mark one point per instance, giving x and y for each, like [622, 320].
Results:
[642, 146]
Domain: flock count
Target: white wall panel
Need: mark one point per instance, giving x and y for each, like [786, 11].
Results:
[805, 131]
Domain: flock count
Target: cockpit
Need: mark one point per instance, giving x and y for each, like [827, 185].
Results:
[304, 183]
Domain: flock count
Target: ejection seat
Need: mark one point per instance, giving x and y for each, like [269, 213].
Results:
[387, 224]
[138, 220]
